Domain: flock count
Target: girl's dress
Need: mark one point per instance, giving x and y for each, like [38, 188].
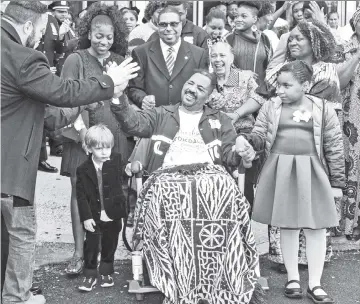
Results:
[294, 190]
[82, 65]
[324, 84]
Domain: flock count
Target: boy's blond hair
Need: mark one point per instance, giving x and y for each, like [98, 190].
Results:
[98, 136]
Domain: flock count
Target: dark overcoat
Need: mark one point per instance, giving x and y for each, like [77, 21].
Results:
[27, 85]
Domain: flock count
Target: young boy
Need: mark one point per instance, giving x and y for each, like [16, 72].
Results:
[102, 205]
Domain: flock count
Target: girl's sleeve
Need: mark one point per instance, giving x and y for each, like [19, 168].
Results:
[257, 138]
[334, 148]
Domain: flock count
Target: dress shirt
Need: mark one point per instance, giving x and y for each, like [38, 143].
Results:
[165, 47]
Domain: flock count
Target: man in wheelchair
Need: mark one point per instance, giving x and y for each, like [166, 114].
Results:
[191, 218]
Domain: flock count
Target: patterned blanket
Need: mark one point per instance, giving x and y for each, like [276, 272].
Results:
[197, 238]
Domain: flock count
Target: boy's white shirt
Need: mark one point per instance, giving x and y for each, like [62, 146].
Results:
[103, 216]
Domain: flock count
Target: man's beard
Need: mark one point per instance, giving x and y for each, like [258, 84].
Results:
[30, 41]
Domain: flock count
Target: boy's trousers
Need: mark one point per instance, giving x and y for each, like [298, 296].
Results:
[106, 234]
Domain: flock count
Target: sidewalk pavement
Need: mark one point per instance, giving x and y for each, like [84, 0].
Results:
[55, 247]
[340, 280]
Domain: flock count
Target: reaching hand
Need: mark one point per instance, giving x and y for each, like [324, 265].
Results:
[241, 144]
[337, 192]
[248, 156]
[64, 28]
[287, 4]
[148, 102]
[123, 73]
[119, 90]
[316, 12]
[89, 225]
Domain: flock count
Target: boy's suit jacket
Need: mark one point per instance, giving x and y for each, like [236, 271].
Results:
[87, 190]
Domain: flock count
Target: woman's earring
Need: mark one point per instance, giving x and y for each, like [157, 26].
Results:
[254, 28]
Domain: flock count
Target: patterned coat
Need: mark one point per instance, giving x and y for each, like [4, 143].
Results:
[327, 136]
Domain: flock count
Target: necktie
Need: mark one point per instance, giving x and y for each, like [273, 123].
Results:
[170, 60]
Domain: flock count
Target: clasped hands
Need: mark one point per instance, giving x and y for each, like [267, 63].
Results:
[121, 74]
[245, 150]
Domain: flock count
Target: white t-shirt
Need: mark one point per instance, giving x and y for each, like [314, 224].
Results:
[188, 147]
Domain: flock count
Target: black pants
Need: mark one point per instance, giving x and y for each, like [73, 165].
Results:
[249, 191]
[108, 234]
[43, 152]
[4, 250]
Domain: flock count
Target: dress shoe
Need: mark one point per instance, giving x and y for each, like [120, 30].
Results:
[353, 237]
[35, 289]
[293, 293]
[319, 299]
[44, 166]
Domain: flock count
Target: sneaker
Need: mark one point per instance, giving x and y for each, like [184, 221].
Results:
[88, 284]
[107, 281]
[38, 299]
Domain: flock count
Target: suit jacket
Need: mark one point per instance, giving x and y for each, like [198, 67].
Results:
[87, 190]
[153, 77]
[27, 85]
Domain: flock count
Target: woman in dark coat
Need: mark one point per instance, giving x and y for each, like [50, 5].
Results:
[102, 33]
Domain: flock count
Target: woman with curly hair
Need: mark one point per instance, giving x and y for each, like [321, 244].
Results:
[144, 31]
[297, 12]
[102, 39]
[313, 43]
[350, 79]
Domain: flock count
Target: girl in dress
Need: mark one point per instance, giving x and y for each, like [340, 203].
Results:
[303, 171]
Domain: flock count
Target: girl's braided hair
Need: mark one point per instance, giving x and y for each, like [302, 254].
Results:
[300, 69]
[322, 41]
[121, 32]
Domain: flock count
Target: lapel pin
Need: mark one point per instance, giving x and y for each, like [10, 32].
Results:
[186, 57]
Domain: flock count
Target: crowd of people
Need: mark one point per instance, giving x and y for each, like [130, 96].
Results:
[250, 117]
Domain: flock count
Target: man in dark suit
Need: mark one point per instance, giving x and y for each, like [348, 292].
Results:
[166, 64]
[191, 33]
[27, 85]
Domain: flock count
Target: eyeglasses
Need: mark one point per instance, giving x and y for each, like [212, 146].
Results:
[164, 25]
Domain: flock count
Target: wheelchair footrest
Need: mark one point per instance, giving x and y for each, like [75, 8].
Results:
[135, 287]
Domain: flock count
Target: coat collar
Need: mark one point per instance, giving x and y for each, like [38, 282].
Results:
[182, 58]
[91, 170]
[316, 100]
[174, 110]
[10, 30]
